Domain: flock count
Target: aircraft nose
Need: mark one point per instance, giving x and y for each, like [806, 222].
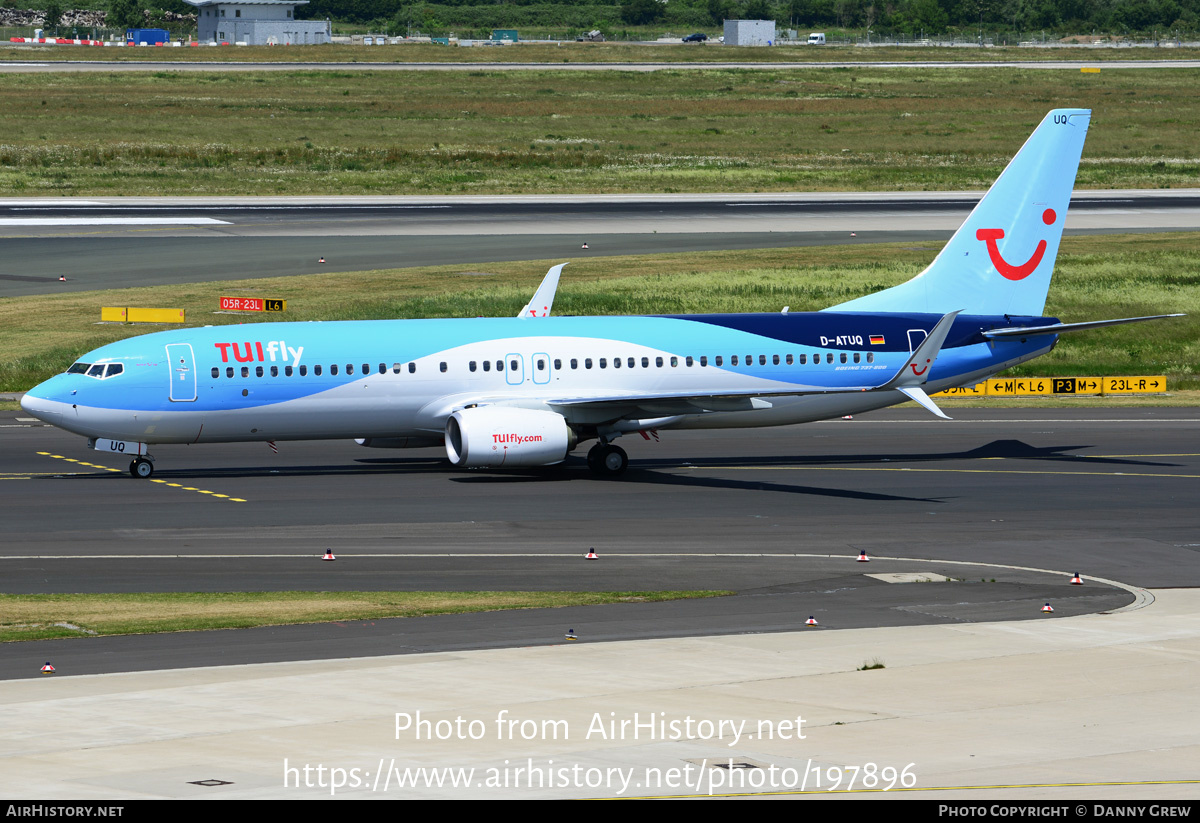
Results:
[43, 402]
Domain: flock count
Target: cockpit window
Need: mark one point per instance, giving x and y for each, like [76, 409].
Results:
[100, 371]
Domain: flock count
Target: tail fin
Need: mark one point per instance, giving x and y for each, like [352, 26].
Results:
[1000, 260]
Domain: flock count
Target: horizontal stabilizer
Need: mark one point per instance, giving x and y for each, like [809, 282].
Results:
[1059, 328]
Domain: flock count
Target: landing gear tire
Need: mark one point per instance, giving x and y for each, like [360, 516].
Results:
[607, 460]
[141, 468]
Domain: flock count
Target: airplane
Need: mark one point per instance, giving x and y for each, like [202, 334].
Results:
[527, 390]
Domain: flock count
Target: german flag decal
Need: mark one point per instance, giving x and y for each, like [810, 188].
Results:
[877, 340]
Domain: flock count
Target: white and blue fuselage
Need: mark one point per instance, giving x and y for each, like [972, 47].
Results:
[403, 378]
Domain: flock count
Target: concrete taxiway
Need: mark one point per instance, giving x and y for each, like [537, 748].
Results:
[1092, 707]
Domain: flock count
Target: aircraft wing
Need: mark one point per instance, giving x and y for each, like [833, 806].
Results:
[543, 299]
[908, 380]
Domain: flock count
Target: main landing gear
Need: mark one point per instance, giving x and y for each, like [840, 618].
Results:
[607, 460]
[141, 467]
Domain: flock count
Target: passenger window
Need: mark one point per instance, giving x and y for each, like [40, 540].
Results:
[442, 366]
[471, 366]
[216, 372]
[829, 357]
[803, 359]
[733, 361]
[557, 364]
[789, 360]
[333, 369]
[412, 368]
[317, 370]
[658, 362]
[349, 368]
[645, 362]
[688, 360]
[719, 360]
[857, 357]
[775, 359]
[487, 365]
[604, 362]
[287, 371]
[574, 363]
[762, 360]
[704, 360]
[245, 371]
[229, 371]
[587, 362]
[616, 362]
[258, 371]
[870, 357]
[630, 363]
[842, 357]
[674, 362]
[541, 364]
[383, 368]
[366, 368]
[514, 365]
[304, 370]
[274, 371]
[396, 368]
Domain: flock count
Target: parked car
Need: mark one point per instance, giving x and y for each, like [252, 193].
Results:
[698, 37]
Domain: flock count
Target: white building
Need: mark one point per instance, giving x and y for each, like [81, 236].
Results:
[746, 32]
[257, 23]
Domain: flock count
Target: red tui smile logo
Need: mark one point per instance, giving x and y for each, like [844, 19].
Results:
[1006, 269]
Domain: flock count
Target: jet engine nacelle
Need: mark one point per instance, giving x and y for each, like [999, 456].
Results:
[503, 436]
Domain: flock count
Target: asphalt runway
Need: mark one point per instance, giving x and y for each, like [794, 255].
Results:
[777, 515]
[119, 243]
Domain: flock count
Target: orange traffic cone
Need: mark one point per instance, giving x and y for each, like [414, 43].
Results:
[329, 555]
[811, 621]
[47, 669]
[591, 555]
[862, 557]
[1047, 608]
[62, 278]
[1076, 580]
[321, 260]
[570, 635]
[584, 246]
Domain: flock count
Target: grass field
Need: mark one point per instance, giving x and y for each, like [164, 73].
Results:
[1097, 277]
[566, 51]
[48, 616]
[484, 131]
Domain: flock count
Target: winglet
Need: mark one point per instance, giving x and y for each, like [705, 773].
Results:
[916, 371]
[543, 299]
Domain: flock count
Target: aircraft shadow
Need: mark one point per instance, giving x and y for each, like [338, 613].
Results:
[997, 449]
